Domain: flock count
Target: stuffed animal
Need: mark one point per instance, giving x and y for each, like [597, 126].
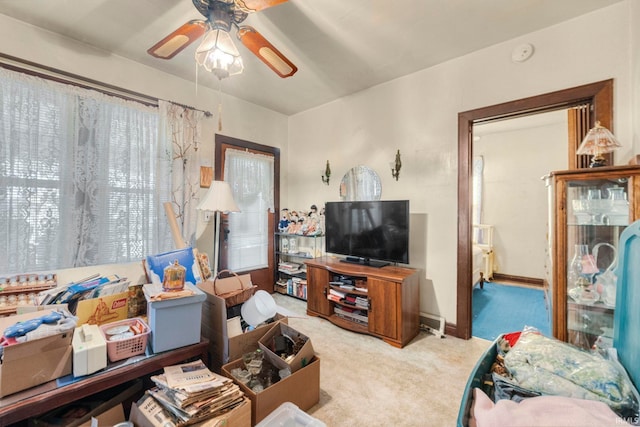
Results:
[283, 225]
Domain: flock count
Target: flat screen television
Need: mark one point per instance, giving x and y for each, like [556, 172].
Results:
[372, 233]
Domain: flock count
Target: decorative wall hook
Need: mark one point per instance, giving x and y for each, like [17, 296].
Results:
[327, 174]
[395, 167]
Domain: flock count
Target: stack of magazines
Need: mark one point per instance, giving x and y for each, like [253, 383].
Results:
[187, 394]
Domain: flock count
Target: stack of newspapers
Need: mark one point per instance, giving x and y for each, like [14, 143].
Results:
[187, 394]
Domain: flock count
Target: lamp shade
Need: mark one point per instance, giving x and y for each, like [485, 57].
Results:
[218, 198]
[598, 141]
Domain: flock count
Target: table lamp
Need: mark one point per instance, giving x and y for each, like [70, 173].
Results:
[598, 141]
[218, 199]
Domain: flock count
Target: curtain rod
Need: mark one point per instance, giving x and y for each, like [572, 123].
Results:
[22, 65]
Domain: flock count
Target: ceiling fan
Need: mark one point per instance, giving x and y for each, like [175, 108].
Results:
[220, 16]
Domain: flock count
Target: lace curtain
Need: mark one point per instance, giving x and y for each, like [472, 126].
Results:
[183, 129]
[82, 177]
[250, 176]
[476, 197]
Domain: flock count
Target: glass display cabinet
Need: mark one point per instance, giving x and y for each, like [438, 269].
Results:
[592, 208]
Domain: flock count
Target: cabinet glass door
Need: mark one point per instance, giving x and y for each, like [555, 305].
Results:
[597, 213]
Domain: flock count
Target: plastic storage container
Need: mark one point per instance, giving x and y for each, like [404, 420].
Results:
[175, 322]
[289, 415]
[124, 348]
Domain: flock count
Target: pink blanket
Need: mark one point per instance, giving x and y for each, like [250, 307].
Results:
[541, 411]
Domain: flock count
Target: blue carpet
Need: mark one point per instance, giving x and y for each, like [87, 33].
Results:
[500, 309]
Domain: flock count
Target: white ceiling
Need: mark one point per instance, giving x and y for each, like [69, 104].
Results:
[339, 46]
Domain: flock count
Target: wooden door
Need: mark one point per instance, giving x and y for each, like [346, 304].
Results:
[383, 308]
[264, 278]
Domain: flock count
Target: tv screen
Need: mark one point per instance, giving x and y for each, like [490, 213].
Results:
[368, 231]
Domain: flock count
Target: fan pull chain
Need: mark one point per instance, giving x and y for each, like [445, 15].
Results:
[196, 79]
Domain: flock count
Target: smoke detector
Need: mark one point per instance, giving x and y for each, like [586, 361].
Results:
[522, 53]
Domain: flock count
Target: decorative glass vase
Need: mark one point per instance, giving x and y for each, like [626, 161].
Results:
[574, 272]
[174, 276]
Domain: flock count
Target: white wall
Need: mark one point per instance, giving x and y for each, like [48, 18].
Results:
[514, 197]
[418, 115]
[240, 119]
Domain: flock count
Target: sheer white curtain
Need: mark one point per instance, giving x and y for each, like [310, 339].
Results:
[181, 128]
[250, 176]
[476, 199]
[82, 177]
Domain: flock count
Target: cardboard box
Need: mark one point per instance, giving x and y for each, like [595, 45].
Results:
[31, 363]
[301, 388]
[110, 417]
[175, 322]
[104, 309]
[222, 347]
[238, 417]
[106, 406]
[301, 358]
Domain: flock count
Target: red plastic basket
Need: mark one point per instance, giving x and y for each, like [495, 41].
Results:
[124, 348]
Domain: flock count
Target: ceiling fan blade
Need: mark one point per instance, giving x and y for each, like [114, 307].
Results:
[256, 5]
[256, 43]
[175, 42]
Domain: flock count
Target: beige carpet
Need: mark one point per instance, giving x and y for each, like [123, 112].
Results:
[366, 382]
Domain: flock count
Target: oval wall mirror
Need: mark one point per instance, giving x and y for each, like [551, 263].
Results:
[360, 183]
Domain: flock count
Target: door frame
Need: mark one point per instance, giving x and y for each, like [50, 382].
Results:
[598, 95]
[221, 143]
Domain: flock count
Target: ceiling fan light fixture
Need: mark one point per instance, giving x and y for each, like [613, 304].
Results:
[218, 55]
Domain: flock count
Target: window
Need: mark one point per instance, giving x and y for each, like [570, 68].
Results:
[81, 177]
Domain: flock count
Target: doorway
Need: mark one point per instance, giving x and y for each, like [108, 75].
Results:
[598, 97]
[263, 273]
[510, 199]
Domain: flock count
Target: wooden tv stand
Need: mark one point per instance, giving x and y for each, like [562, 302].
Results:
[393, 295]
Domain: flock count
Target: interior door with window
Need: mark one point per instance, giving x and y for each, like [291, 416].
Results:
[247, 238]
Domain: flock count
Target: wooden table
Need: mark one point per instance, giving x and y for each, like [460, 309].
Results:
[43, 398]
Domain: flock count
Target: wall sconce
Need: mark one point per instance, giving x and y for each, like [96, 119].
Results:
[598, 141]
[327, 174]
[395, 167]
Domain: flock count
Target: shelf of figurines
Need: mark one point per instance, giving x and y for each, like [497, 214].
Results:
[302, 223]
[23, 289]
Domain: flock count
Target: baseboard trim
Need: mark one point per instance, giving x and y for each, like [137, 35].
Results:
[497, 277]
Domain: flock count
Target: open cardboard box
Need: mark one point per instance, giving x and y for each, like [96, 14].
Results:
[110, 417]
[223, 346]
[301, 358]
[31, 363]
[301, 388]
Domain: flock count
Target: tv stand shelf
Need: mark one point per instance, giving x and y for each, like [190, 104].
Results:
[393, 295]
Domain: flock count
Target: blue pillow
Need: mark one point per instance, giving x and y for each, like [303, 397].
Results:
[157, 263]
